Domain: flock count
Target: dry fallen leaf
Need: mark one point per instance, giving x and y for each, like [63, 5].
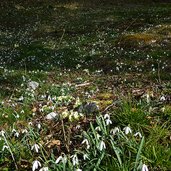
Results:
[53, 143]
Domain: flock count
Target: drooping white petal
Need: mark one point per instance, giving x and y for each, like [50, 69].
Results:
[36, 165]
[127, 130]
[102, 146]
[144, 168]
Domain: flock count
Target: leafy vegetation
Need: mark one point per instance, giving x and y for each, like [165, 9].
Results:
[85, 87]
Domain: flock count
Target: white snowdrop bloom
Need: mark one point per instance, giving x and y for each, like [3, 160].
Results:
[78, 169]
[108, 121]
[144, 167]
[21, 98]
[163, 109]
[75, 159]
[5, 147]
[102, 146]
[49, 98]
[86, 142]
[148, 98]
[138, 134]
[33, 85]
[162, 98]
[22, 111]
[24, 78]
[17, 116]
[16, 134]
[127, 130]
[30, 123]
[114, 130]
[51, 116]
[61, 158]
[44, 169]
[85, 156]
[98, 136]
[2, 133]
[24, 131]
[35, 147]
[106, 116]
[13, 130]
[58, 159]
[98, 128]
[36, 165]
[38, 125]
[78, 126]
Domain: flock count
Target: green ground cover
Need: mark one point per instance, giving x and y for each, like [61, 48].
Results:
[103, 71]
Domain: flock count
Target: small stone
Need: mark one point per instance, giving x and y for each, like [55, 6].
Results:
[51, 116]
[89, 108]
[33, 85]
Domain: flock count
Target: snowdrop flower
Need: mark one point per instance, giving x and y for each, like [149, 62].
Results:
[148, 98]
[35, 147]
[108, 121]
[75, 159]
[86, 142]
[24, 131]
[60, 158]
[78, 170]
[98, 136]
[22, 111]
[78, 126]
[16, 134]
[44, 169]
[38, 125]
[138, 134]
[163, 109]
[98, 128]
[102, 146]
[127, 130]
[24, 78]
[21, 98]
[36, 165]
[30, 123]
[2, 133]
[85, 156]
[114, 131]
[5, 147]
[144, 168]
[162, 98]
[106, 116]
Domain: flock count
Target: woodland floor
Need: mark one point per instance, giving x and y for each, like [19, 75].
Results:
[118, 57]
